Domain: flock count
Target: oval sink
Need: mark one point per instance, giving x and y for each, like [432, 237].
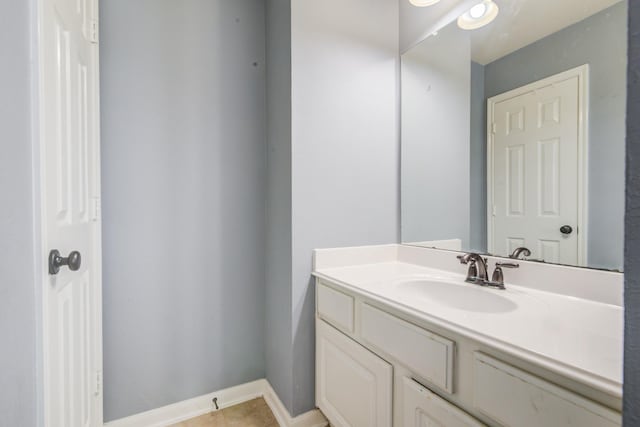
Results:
[466, 297]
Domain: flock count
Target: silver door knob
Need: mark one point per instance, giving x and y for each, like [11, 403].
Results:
[56, 261]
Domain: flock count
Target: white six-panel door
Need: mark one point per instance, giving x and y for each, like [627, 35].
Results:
[536, 169]
[69, 168]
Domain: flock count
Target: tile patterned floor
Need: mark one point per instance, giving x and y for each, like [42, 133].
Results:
[254, 413]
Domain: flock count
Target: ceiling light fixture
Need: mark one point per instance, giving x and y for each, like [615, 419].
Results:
[478, 11]
[479, 15]
[423, 3]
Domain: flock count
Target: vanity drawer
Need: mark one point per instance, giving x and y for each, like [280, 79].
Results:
[335, 307]
[428, 355]
[515, 398]
[422, 407]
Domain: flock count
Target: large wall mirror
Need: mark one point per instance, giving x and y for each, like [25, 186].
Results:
[513, 133]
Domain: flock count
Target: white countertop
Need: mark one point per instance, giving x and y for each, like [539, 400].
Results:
[576, 337]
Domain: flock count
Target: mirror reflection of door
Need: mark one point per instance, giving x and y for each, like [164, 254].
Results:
[536, 164]
[550, 197]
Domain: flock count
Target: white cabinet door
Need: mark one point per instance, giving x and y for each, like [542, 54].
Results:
[423, 408]
[353, 385]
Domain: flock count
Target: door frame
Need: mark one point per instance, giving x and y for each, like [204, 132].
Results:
[42, 245]
[582, 73]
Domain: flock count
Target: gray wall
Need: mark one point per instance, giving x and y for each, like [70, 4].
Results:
[183, 169]
[478, 160]
[600, 42]
[435, 148]
[18, 395]
[345, 146]
[279, 364]
[178, 328]
[632, 229]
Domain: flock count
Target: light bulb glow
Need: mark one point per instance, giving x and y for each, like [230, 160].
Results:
[479, 15]
[478, 11]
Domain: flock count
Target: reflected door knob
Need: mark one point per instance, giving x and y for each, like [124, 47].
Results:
[56, 261]
[566, 229]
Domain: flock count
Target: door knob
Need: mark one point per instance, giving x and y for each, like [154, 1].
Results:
[73, 261]
[566, 229]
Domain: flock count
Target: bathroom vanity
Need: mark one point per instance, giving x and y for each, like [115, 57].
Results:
[403, 340]
[512, 144]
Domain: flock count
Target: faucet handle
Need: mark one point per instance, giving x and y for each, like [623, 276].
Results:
[465, 259]
[507, 264]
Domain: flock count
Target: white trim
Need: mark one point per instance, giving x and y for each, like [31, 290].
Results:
[582, 73]
[583, 164]
[180, 411]
[97, 240]
[313, 418]
[191, 408]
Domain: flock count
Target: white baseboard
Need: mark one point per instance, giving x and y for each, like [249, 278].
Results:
[181, 411]
[313, 418]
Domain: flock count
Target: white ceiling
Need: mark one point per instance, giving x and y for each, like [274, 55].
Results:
[522, 22]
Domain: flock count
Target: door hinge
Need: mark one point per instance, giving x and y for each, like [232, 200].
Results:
[98, 388]
[493, 210]
[493, 128]
[93, 31]
[96, 207]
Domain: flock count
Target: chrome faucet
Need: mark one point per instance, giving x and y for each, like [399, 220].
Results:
[477, 272]
[520, 251]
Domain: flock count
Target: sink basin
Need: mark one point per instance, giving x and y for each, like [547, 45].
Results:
[467, 297]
